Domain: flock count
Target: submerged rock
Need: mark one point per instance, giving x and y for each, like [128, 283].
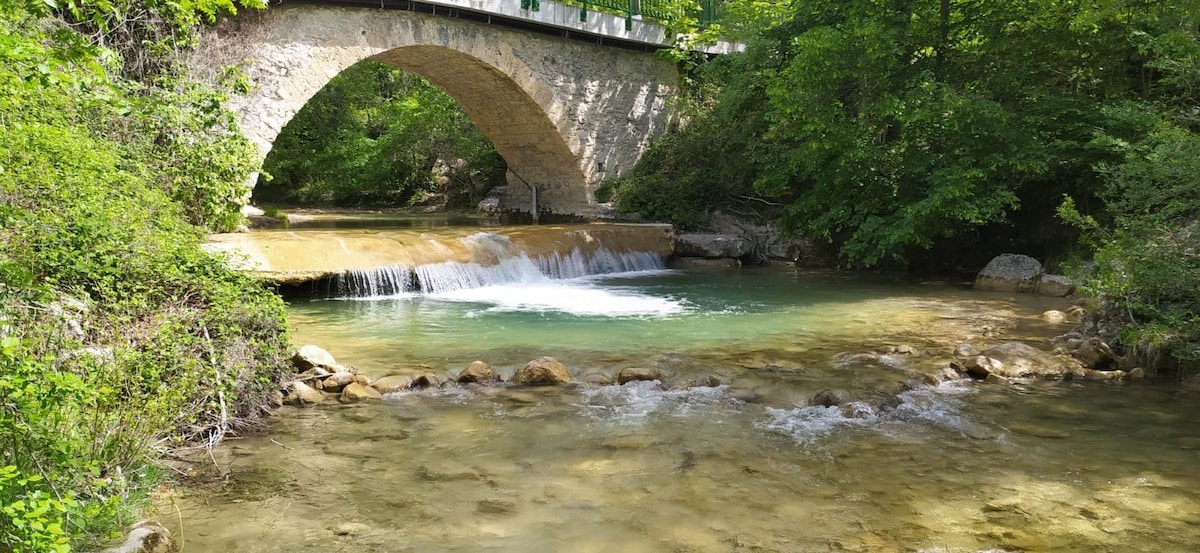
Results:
[478, 372]
[1009, 272]
[350, 529]
[1054, 316]
[598, 378]
[965, 350]
[543, 371]
[311, 356]
[826, 398]
[630, 374]
[945, 374]
[702, 381]
[495, 507]
[1104, 375]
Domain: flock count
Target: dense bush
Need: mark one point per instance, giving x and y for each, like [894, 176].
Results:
[377, 136]
[119, 336]
[1147, 270]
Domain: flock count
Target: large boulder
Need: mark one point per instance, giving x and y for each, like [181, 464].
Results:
[357, 392]
[979, 366]
[336, 381]
[1022, 360]
[1055, 285]
[1010, 272]
[694, 244]
[310, 356]
[478, 372]
[767, 240]
[146, 536]
[493, 203]
[543, 371]
[393, 383]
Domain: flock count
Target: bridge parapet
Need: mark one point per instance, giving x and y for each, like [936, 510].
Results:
[628, 22]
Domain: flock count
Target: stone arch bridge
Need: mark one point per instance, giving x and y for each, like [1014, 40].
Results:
[567, 103]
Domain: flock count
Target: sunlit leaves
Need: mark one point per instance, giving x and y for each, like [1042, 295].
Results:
[373, 136]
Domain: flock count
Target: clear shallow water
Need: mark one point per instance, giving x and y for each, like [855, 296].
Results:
[747, 466]
[1056, 467]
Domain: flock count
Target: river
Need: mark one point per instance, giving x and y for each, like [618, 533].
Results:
[747, 465]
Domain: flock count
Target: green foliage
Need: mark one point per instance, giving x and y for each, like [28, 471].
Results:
[143, 33]
[377, 136]
[34, 521]
[894, 128]
[1147, 265]
[119, 335]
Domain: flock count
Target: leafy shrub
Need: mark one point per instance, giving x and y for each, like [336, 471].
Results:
[1148, 257]
[119, 335]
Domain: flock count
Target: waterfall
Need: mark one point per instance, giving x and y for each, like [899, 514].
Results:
[495, 260]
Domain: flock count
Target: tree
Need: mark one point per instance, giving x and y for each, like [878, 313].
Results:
[892, 127]
[374, 136]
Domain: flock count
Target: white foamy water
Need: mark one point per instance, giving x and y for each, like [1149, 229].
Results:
[573, 297]
[512, 280]
[939, 406]
[633, 402]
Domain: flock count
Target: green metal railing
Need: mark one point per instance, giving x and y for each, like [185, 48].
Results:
[653, 10]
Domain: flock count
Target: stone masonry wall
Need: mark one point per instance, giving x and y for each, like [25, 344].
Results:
[564, 114]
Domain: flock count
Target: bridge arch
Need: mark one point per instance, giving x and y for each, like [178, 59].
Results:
[564, 114]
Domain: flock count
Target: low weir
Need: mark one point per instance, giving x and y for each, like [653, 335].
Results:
[386, 262]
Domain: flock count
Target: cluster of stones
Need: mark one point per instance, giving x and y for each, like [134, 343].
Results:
[1084, 358]
[320, 378]
[734, 241]
[1074, 356]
